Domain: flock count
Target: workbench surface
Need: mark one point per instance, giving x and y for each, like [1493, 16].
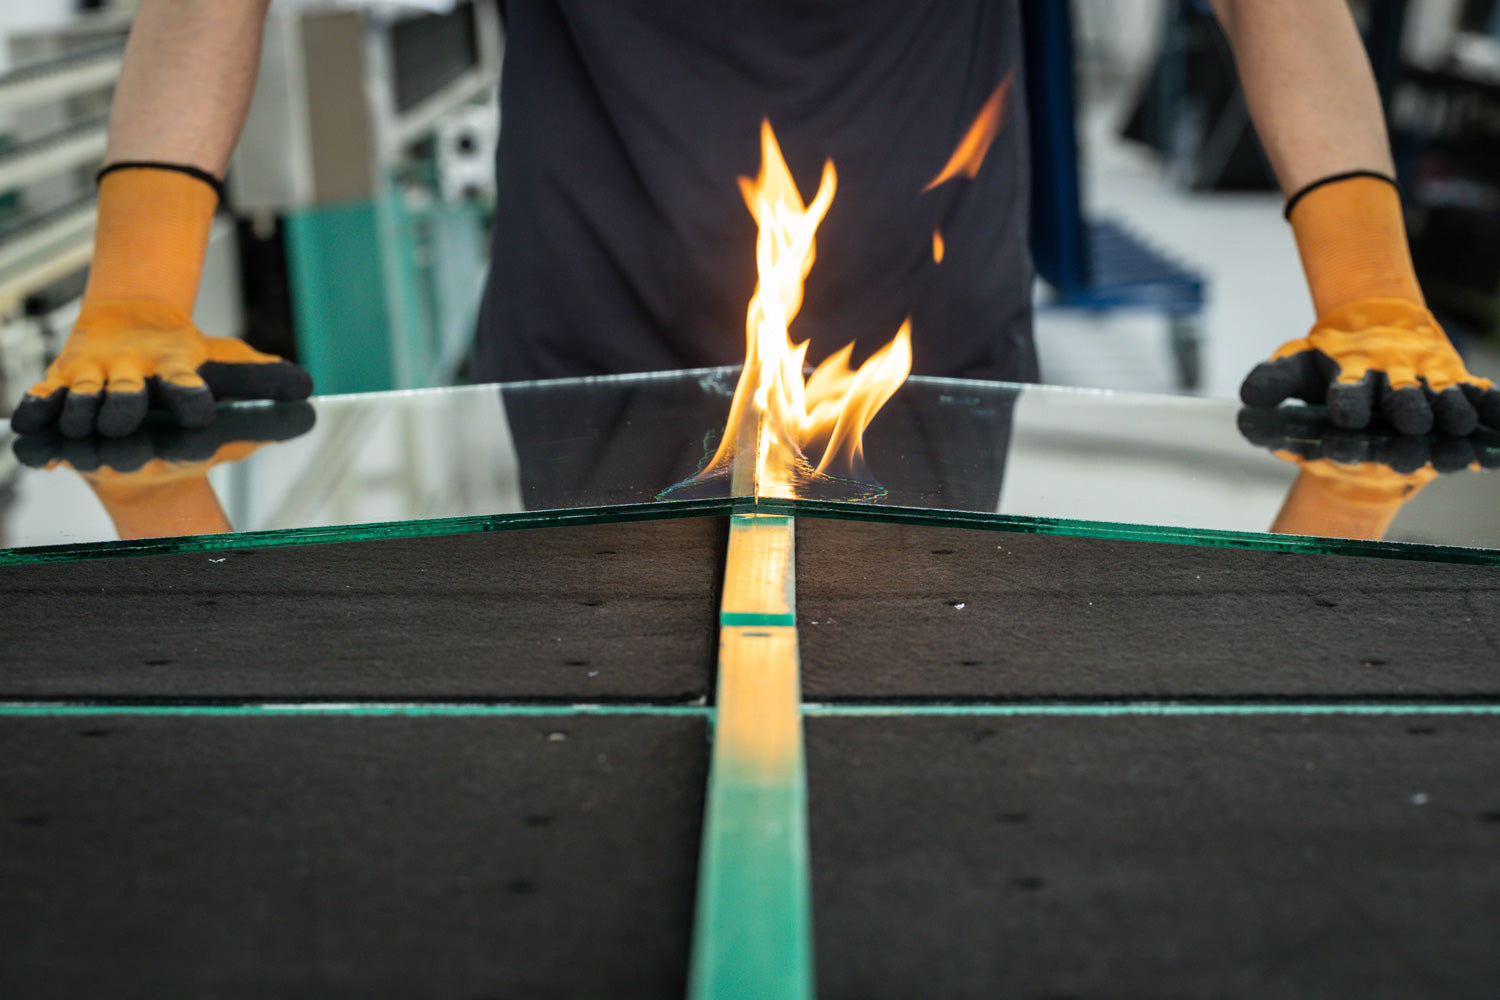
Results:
[468, 757]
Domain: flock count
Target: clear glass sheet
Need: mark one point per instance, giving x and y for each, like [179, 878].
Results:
[410, 462]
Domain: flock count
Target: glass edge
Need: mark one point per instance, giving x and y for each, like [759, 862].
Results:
[723, 506]
[468, 524]
[1205, 537]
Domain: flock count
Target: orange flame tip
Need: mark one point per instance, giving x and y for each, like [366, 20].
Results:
[969, 154]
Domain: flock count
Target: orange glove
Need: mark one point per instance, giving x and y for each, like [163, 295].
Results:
[1375, 347]
[134, 343]
[153, 483]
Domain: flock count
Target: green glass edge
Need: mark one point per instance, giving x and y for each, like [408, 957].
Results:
[363, 709]
[752, 916]
[738, 619]
[1148, 708]
[850, 511]
[21, 709]
[468, 524]
[752, 923]
[1207, 537]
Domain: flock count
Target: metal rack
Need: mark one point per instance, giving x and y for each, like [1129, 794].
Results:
[343, 159]
[53, 106]
[1093, 265]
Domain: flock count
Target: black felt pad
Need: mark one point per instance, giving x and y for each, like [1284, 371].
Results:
[346, 857]
[919, 612]
[1155, 857]
[591, 612]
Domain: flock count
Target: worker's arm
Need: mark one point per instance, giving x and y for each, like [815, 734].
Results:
[184, 87]
[186, 81]
[1375, 348]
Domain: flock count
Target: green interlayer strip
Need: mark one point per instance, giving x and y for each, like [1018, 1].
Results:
[365, 532]
[752, 935]
[850, 511]
[1017, 709]
[1154, 708]
[745, 620]
[367, 709]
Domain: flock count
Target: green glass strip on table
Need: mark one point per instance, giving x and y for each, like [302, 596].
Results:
[24, 709]
[1149, 709]
[752, 936]
[233, 541]
[852, 511]
[1128, 532]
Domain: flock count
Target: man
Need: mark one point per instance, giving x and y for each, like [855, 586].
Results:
[622, 245]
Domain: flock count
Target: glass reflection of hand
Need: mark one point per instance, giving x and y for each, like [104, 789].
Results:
[1353, 482]
[153, 483]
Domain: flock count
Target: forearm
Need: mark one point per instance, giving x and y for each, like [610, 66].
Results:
[186, 81]
[1309, 87]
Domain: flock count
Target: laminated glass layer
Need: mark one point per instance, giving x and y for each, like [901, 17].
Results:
[482, 458]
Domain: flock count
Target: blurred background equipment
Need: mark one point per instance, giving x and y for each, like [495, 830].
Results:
[364, 184]
[1445, 118]
[1097, 265]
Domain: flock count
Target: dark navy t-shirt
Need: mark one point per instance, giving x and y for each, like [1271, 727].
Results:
[622, 242]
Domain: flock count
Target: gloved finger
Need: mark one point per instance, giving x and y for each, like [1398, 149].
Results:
[1452, 454]
[1350, 404]
[39, 408]
[1296, 376]
[1399, 376]
[186, 398]
[81, 407]
[79, 412]
[1405, 408]
[1486, 402]
[125, 402]
[1453, 413]
[278, 379]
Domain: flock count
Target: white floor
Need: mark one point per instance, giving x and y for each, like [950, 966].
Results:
[1257, 297]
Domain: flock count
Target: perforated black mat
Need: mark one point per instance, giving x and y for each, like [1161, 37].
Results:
[914, 612]
[348, 856]
[584, 612]
[1273, 856]
[1102, 768]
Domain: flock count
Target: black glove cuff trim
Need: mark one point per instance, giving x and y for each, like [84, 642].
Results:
[1291, 202]
[181, 168]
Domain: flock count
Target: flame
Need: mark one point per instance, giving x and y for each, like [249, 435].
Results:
[779, 424]
[937, 246]
[969, 154]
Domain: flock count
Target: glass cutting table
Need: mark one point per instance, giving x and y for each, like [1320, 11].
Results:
[435, 693]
